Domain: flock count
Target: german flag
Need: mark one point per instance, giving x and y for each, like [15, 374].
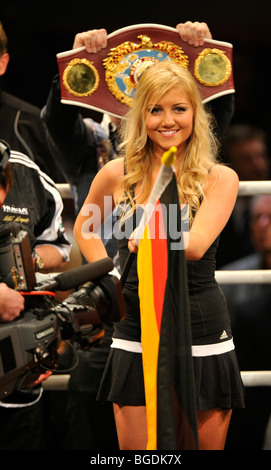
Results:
[165, 328]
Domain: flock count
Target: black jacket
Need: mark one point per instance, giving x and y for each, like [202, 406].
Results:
[34, 204]
[22, 128]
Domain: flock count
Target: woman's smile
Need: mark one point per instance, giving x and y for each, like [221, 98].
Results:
[169, 133]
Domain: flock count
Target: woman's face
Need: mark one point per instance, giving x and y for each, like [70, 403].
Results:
[170, 121]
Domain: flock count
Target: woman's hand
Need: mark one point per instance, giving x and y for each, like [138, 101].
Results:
[132, 244]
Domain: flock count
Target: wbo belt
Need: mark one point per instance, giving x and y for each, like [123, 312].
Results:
[106, 81]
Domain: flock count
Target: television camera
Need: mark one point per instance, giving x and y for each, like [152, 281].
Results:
[29, 345]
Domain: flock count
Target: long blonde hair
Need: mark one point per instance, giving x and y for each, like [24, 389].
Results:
[201, 148]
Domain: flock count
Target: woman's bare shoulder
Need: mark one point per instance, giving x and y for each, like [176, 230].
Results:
[108, 180]
[223, 174]
[114, 168]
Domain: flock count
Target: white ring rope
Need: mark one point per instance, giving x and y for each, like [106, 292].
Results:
[254, 188]
[258, 378]
[254, 276]
[246, 188]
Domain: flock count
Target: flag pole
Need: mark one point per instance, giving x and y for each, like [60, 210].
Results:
[162, 181]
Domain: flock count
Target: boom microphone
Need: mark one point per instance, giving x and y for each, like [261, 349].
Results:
[78, 276]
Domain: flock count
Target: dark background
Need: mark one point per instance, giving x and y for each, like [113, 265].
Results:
[37, 31]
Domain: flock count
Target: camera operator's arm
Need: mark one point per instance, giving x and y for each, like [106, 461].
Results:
[11, 303]
[51, 247]
[47, 258]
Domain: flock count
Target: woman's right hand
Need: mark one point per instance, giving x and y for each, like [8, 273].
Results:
[132, 244]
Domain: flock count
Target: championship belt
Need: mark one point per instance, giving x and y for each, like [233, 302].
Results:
[106, 81]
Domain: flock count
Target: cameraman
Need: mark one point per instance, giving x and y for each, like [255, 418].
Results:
[37, 210]
[30, 200]
[11, 302]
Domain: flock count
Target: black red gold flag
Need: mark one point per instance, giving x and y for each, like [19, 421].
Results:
[166, 328]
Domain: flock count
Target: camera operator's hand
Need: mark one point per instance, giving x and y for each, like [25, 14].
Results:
[11, 303]
[35, 377]
[40, 379]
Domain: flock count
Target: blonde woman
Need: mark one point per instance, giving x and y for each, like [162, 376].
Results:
[167, 112]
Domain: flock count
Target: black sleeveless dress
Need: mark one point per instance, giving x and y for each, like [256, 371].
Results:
[217, 376]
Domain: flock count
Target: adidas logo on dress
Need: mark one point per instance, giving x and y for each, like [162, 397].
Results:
[223, 335]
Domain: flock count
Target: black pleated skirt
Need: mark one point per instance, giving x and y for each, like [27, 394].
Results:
[218, 382]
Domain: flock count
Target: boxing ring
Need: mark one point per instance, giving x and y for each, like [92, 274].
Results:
[250, 378]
